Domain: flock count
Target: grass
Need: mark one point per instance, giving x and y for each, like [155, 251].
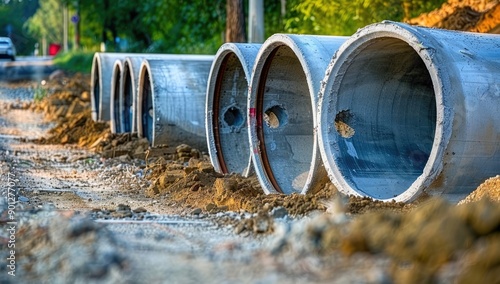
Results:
[74, 61]
[39, 94]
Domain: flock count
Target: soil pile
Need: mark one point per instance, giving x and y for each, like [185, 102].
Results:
[489, 189]
[197, 185]
[73, 247]
[65, 100]
[422, 245]
[463, 15]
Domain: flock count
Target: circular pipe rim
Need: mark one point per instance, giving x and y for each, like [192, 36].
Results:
[440, 79]
[144, 78]
[129, 92]
[245, 54]
[115, 94]
[323, 48]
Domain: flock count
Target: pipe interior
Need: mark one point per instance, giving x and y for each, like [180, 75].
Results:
[285, 119]
[147, 108]
[386, 118]
[231, 136]
[128, 103]
[97, 89]
[116, 100]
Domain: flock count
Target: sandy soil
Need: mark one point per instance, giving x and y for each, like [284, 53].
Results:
[92, 206]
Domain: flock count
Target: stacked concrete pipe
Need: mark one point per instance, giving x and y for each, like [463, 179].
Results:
[226, 108]
[100, 83]
[282, 104]
[409, 110]
[116, 78]
[171, 100]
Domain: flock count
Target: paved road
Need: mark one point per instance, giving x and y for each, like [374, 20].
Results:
[29, 67]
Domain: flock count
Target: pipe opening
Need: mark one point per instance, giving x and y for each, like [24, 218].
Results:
[147, 108]
[233, 117]
[387, 118]
[97, 90]
[229, 128]
[127, 107]
[284, 105]
[275, 117]
[116, 100]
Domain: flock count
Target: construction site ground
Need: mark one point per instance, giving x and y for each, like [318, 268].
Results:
[96, 207]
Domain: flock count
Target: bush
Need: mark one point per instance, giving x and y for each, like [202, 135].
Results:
[74, 61]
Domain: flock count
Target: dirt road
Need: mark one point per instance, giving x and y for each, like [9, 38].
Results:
[82, 216]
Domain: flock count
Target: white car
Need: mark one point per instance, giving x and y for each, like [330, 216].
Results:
[7, 48]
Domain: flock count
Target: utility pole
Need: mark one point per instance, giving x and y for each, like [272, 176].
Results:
[75, 19]
[65, 27]
[256, 21]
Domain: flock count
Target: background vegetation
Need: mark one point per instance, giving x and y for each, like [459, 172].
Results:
[186, 26]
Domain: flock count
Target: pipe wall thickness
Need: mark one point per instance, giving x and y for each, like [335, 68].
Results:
[282, 104]
[100, 84]
[226, 108]
[406, 110]
[171, 100]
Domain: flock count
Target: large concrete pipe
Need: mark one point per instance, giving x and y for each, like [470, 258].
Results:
[116, 77]
[100, 83]
[171, 100]
[406, 110]
[130, 86]
[226, 107]
[282, 105]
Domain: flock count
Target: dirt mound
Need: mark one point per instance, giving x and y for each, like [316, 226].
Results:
[196, 185]
[92, 253]
[420, 243]
[78, 128]
[65, 99]
[489, 189]
[464, 15]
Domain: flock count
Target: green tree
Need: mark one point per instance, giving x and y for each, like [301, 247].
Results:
[13, 15]
[344, 17]
[47, 22]
[185, 26]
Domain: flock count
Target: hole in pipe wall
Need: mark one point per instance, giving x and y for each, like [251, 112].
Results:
[275, 116]
[343, 122]
[233, 117]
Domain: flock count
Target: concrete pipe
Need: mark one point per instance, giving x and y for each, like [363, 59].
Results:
[130, 86]
[116, 77]
[128, 96]
[282, 105]
[100, 84]
[171, 100]
[226, 108]
[406, 110]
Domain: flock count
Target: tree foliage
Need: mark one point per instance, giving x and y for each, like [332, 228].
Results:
[344, 17]
[47, 21]
[13, 14]
[198, 26]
